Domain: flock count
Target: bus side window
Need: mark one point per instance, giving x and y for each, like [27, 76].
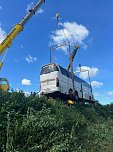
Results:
[63, 71]
[56, 68]
[69, 75]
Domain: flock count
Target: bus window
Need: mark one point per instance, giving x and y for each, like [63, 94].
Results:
[48, 69]
[64, 71]
[69, 75]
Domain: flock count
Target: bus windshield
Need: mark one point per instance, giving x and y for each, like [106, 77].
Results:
[48, 69]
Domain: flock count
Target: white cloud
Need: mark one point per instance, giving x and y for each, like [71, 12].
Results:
[2, 34]
[27, 93]
[84, 71]
[76, 33]
[1, 8]
[96, 84]
[26, 82]
[110, 93]
[30, 59]
[40, 11]
[30, 6]
[17, 90]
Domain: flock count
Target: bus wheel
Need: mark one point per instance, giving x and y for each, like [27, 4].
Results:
[76, 96]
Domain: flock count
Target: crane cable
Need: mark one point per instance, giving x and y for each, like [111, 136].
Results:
[58, 24]
[58, 21]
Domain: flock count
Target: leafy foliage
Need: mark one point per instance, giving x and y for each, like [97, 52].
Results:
[36, 125]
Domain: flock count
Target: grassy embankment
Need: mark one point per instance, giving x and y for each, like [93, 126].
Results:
[36, 125]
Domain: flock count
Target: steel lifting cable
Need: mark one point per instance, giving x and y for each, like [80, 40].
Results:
[58, 21]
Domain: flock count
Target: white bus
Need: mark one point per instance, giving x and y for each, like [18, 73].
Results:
[56, 82]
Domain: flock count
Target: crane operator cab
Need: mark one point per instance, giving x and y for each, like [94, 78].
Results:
[4, 84]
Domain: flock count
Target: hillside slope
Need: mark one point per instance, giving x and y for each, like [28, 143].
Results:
[36, 125]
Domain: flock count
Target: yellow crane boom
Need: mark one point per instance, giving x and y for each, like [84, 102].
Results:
[19, 27]
[10, 37]
[4, 84]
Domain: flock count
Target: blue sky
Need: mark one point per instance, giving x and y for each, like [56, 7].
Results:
[92, 19]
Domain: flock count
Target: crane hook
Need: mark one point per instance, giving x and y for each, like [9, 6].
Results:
[57, 16]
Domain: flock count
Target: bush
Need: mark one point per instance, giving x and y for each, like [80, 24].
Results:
[35, 124]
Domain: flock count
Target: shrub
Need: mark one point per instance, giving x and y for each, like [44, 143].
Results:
[35, 124]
